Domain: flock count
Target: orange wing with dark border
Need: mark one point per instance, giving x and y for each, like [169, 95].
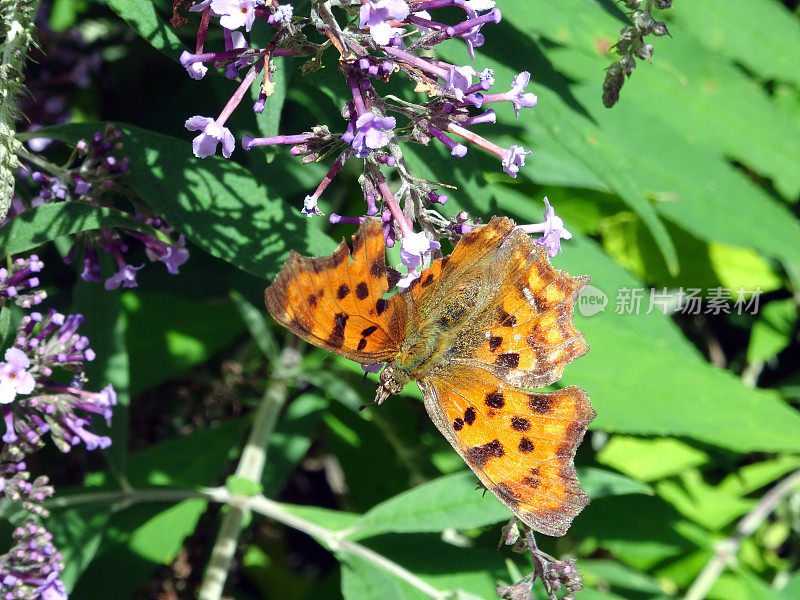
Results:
[337, 302]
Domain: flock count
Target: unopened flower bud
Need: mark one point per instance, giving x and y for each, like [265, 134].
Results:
[660, 28]
[645, 51]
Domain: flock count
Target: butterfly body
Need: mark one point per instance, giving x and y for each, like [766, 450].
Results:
[478, 331]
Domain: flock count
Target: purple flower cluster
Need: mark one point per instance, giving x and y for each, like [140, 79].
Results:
[32, 568]
[33, 399]
[18, 283]
[92, 173]
[390, 39]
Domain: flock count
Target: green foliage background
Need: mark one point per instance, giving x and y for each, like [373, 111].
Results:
[692, 180]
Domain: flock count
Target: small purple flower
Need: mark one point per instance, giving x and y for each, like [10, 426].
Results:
[53, 588]
[196, 69]
[49, 343]
[20, 282]
[235, 13]
[14, 376]
[33, 565]
[91, 265]
[516, 95]
[237, 42]
[310, 206]
[126, 277]
[413, 249]
[554, 231]
[200, 6]
[369, 133]
[375, 14]
[513, 159]
[212, 134]
[81, 187]
[459, 79]
[282, 15]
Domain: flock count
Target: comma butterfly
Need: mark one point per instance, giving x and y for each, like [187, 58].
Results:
[478, 330]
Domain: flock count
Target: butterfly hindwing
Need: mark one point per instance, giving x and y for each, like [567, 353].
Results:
[521, 444]
[336, 302]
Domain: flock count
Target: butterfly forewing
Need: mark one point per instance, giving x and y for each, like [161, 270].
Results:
[336, 302]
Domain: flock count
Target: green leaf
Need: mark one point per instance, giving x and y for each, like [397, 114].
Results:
[216, 203]
[142, 16]
[362, 580]
[751, 478]
[6, 331]
[650, 459]
[335, 520]
[704, 265]
[77, 533]
[448, 502]
[256, 323]
[773, 330]
[161, 537]
[41, 224]
[762, 35]
[143, 536]
[64, 13]
[599, 483]
[174, 333]
[291, 440]
[606, 573]
[242, 486]
[702, 503]
[687, 176]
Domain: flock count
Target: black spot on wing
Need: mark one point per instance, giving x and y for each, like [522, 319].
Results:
[378, 267]
[362, 291]
[495, 399]
[520, 424]
[336, 338]
[495, 342]
[540, 403]
[392, 277]
[342, 292]
[505, 319]
[480, 455]
[525, 445]
[510, 360]
[469, 416]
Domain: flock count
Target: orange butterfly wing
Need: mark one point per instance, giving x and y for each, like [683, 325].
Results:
[336, 302]
[520, 444]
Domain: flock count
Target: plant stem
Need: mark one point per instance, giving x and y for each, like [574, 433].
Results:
[336, 543]
[250, 467]
[727, 549]
[333, 540]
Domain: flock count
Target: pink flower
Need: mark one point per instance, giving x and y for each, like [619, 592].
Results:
[235, 13]
[375, 14]
[14, 376]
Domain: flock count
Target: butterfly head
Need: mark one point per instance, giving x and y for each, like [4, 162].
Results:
[392, 381]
